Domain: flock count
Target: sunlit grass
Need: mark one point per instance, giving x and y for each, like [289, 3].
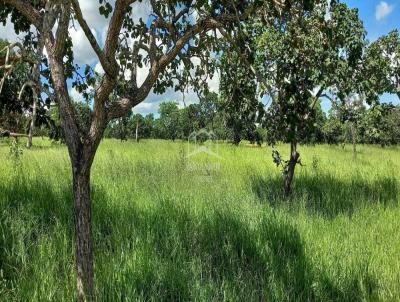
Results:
[207, 229]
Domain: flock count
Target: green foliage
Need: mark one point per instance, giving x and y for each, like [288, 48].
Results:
[381, 125]
[301, 57]
[239, 104]
[382, 66]
[333, 131]
[168, 123]
[13, 112]
[83, 114]
[16, 151]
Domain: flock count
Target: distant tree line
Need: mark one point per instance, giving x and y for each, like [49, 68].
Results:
[179, 123]
[378, 124]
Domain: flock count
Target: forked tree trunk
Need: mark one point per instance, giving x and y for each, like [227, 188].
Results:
[83, 233]
[32, 124]
[289, 175]
[354, 140]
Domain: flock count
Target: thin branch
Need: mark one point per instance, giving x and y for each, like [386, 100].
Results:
[30, 84]
[120, 108]
[92, 39]
[135, 52]
[117, 19]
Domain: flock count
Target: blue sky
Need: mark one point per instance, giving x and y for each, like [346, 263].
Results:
[380, 17]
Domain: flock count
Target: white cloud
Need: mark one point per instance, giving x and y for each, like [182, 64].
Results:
[83, 52]
[213, 84]
[99, 69]
[383, 9]
[145, 108]
[75, 95]
[141, 10]
[8, 32]
[90, 11]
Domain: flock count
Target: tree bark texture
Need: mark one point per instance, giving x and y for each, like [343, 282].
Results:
[289, 175]
[83, 233]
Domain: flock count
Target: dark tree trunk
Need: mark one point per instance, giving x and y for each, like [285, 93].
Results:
[354, 140]
[289, 175]
[83, 233]
[236, 138]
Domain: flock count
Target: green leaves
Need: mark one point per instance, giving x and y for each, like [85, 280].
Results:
[303, 55]
[382, 66]
[105, 9]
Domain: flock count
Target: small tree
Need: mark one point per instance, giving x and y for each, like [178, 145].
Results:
[135, 124]
[169, 120]
[351, 111]
[302, 57]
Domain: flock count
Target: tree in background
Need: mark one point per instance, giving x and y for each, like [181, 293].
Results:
[208, 108]
[381, 125]
[239, 100]
[351, 111]
[136, 122]
[168, 123]
[333, 130]
[382, 67]
[15, 102]
[301, 57]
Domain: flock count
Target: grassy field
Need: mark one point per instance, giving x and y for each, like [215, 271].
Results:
[169, 228]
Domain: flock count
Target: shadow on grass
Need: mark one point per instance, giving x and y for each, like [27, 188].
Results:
[167, 252]
[325, 194]
[214, 255]
[28, 210]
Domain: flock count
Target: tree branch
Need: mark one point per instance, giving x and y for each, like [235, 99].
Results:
[111, 43]
[92, 39]
[62, 30]
[28, 11]
[122, 107]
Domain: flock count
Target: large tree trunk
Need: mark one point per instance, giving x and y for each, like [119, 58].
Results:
[354, 139]
[81, 157]
[32, 124]
[83, 233]
[289, 173]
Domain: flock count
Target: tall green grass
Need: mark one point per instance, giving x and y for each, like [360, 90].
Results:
[169, 228]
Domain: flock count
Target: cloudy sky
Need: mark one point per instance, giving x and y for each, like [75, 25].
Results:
[379, 17]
